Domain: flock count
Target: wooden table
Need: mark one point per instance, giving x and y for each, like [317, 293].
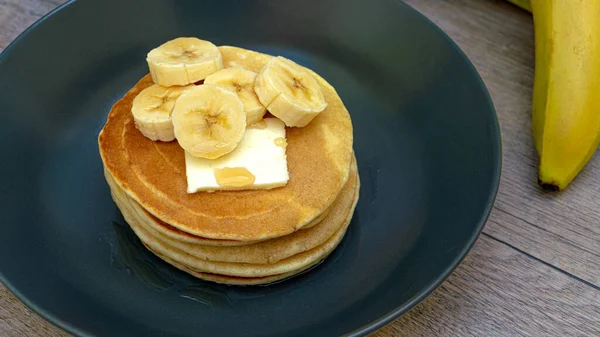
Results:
[535, 270]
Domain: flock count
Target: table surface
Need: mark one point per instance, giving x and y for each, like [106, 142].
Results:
[535, 270]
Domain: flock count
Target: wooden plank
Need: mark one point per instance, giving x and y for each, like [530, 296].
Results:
[16, 320]
[498, 291]
[562, 229]
[16, 15]
[538, 242]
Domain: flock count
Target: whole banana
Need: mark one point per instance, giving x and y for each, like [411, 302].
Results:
[566, 108]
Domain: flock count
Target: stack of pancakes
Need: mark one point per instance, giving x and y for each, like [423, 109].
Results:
[236, 237]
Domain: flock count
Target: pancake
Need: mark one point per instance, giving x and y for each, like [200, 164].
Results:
[233, 280]
[153, 173]
[170, 232]
[291, 264]
[264, 252]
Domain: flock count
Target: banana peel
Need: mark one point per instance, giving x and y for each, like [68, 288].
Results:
[525, 4]
[565, 109]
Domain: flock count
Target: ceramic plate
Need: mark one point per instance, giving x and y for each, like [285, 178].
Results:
[426, 140]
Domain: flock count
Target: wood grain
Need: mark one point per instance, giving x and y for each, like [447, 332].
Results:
[536, 270]
[16, 15]
[16, 320]
[498, 291]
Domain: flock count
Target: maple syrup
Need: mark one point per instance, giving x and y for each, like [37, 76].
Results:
[233, 177]
[280, 141]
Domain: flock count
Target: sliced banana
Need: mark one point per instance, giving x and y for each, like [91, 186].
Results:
[240, 81]
[151, 111]
[209, 121]
[289, 91]
[183, 61]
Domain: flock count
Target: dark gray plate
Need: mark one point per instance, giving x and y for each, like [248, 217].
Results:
[426, 139]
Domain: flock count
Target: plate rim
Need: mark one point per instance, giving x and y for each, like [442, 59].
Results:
[398, 311]
[403, 309]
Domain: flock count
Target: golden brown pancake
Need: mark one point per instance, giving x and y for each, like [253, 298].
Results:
[233, 280]
[280, 269]
[153, 173]
[291, 264]
[265, 252]
[170, 232]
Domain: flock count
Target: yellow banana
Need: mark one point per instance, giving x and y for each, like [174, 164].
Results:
[566, 109]
[525, 4]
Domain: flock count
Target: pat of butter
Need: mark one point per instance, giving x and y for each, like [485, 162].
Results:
[261, 152]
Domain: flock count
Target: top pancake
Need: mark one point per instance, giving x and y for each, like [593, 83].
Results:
[153, 173]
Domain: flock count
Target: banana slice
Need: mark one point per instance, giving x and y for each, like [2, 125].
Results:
[151, 111]
[183, 61]
[209, 121]
[289, 91]
[240, 81]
